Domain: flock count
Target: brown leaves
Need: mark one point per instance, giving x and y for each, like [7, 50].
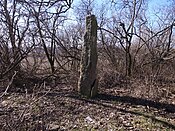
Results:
[64, 109]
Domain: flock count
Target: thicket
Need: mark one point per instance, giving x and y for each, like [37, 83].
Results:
[39, 43]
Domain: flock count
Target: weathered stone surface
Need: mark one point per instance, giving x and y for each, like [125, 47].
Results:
[88, 82]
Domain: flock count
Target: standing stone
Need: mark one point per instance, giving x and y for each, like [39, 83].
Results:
[88, 83]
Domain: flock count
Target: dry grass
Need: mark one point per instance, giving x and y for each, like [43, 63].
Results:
[61, 108]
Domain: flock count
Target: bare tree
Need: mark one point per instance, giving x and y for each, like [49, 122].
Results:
[14, 27]
[47, 17]
[124, 27]
[159, 45]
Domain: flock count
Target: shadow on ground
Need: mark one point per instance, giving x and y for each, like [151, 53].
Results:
[170, 108]
[99, 100]
[105, 100]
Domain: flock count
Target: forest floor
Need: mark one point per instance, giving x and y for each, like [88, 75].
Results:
[61, 108]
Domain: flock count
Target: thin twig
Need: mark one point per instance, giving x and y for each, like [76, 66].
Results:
[9, 84]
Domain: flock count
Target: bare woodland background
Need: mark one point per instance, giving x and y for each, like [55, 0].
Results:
[40, 53]
[39, 38]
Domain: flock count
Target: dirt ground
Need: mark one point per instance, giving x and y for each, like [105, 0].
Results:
[61, 108]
